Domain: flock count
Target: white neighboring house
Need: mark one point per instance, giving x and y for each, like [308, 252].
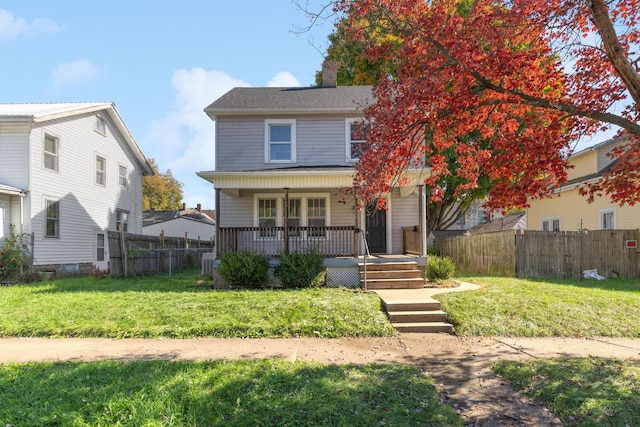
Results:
[176, 223]
[69, 172]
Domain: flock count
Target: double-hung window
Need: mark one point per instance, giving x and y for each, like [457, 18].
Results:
[295, 216]
[122, 175]
[607, 219]
[357, 138]
[99, 125]
[52, 226]
[267, 216]
[304, 211]
[50, 153]
[280, 141]
[101, 171]
[317, 216]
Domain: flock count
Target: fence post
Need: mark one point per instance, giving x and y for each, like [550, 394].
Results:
[123, 251]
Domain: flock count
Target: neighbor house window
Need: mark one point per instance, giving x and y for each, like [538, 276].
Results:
[122, 175]
[280, 141]
[99, 125]
[550, 224]
[101, 171]
[50, 152]
[607, 219]
[483, 217]
[357, 137]
[122, 218]
[53, 218]
[267, 216]
[316, 216]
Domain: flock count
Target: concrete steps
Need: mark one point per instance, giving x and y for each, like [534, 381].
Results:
[407, 302]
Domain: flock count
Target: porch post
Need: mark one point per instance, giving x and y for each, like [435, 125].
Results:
[286, 221]
[356, 234]
[217, 240]
[422, 221]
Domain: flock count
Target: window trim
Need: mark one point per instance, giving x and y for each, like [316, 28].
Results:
[601, 213]
[347, 137]
[550, 220]
[103, 171]
[267, 139]
[56, 155]
[303, 197]
[47, 201]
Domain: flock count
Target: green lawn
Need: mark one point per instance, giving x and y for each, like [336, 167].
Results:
[583, 392]
[242, 393]
[179, 307]
[545, 308]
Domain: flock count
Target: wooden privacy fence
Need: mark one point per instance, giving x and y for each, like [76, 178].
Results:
[544, 254]
[136, 254]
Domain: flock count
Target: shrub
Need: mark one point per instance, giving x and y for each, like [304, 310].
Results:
[432, 250]
[244, 269]
[300, 270]
[12, 258]
[439, 269]
[29, 277]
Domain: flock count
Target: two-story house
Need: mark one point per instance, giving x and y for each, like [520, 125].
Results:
[284, 157]
[68, 173]
[569, 211]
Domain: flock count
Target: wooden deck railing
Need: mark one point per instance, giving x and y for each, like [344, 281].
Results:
[270, 241]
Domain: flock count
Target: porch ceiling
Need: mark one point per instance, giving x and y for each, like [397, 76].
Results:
[231, 182]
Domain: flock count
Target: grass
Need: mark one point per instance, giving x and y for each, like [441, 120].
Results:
[544, 308]
[582, 392]
[241, 393]
[177, 307]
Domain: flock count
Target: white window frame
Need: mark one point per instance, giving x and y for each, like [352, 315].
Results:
[268, 143]
[100, 125]
[347, 137]
[47, 201]
[123, 180]
[280, 210]
[101, 172]
[55, 156]
[550, 220]
[602, 213]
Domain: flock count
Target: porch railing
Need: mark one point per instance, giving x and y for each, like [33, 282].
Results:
[329, 241]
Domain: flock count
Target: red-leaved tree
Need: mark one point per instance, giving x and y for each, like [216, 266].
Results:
[526, 77]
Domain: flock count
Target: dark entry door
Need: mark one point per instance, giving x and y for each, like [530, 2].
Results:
[376, 227]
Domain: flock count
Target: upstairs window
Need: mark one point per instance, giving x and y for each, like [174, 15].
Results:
[50, 152]
[357, 137]
[99, 125]
[607, 219]
[101, 171]
[122, 175]
[280, 141]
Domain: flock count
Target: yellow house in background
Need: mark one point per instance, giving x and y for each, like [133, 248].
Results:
[569, 211]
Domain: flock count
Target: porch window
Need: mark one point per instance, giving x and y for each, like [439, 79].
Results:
[294, 216]
[280, 141]
[53, 218]
[267, 214]
[357, 137]
[316, 216]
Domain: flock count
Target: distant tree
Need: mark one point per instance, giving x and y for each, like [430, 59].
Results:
[161, 191]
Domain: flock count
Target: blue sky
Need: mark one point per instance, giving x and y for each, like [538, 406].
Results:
[160, 62]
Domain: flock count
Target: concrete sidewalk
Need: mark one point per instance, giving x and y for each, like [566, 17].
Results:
[405, 348]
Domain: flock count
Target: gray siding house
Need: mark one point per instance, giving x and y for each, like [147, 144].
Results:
[69, 172]
[283, 159]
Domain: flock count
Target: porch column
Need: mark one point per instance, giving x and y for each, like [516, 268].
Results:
[286, 221]
[422, 209]
[356, 234]
[217, 240]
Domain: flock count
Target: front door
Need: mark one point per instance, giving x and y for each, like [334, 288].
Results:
[376, 228]
[102, 251]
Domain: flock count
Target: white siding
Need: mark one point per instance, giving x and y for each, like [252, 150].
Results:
[84, 206]
[14, 155]
[5, 216]
[177, 227]
[404, 213]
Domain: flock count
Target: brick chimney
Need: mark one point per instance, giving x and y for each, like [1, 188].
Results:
[199, 207]
[184, 206]
[329, 74]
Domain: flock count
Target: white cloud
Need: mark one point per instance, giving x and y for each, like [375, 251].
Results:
[76, 73]
[283, 79]
[184, 140]
[12, 27]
